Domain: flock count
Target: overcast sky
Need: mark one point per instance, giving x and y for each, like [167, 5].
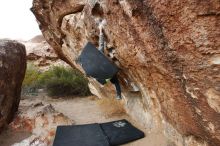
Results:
[16, 20]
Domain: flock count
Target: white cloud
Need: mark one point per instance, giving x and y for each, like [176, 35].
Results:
[16, 20]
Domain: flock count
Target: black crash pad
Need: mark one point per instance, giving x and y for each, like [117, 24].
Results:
[121, 132]
[80, 135]
[106, 134]
[95, 63]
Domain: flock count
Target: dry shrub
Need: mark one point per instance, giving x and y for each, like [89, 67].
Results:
[58, 81]
[111, 107]
[61, 81]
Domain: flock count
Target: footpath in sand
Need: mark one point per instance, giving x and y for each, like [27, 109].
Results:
[76, 110]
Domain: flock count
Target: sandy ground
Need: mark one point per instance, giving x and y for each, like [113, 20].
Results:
[8, 137]
[84, 111]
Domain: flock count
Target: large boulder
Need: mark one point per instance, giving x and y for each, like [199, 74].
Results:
[169, 50]
[12, 71]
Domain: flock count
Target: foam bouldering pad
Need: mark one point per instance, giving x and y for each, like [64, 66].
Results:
[80, 135]
[106, 134]
[121, 132]
[95, 63]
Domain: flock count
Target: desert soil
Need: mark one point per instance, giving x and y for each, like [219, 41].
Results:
[83, 111]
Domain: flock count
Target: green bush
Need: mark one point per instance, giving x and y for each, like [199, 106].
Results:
[58, 81]
[31, 80]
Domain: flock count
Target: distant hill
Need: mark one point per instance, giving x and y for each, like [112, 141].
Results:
[41, 54]
[37, 39]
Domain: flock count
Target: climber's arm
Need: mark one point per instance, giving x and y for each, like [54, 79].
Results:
[101, 41]
[101, 36]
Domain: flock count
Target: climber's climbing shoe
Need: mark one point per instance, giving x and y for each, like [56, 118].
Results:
[118, 97]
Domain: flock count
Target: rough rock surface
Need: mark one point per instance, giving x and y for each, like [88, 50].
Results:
[40, 119]
[169, 50]
[12, 71]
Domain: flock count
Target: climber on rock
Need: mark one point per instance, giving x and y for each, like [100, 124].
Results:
[97, 65]
[114, 80]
